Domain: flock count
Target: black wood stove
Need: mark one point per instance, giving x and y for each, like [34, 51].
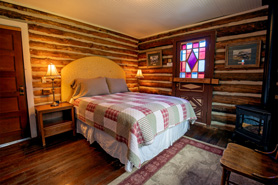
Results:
[253, 123]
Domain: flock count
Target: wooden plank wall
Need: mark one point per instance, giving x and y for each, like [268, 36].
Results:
[58, 40]
[237, 86]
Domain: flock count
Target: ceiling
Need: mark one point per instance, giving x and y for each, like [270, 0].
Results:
[141, 18]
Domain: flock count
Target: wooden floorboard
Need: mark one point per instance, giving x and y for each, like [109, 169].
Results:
[72, 160]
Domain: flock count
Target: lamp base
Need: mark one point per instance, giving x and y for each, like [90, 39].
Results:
[54, 104]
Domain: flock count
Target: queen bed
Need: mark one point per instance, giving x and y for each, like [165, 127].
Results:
[133, 127]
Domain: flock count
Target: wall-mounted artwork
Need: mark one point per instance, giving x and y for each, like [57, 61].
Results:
[242, 55]
[154, 59]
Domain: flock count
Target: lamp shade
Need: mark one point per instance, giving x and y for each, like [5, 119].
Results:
[139, 74]
[52, 72]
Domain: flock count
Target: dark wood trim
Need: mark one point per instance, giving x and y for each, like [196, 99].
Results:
[198, 80]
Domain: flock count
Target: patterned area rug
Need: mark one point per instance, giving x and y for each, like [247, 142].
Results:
[188, 161]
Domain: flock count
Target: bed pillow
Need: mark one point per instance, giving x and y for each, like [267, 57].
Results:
[89, 87]
[116, 85]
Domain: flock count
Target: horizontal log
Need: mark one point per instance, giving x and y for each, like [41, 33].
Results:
[131, 81]
[224, 109]
[48, 84]
[242, 28]
[39, 92]
[154, 91]
[158, 78]
[132, 85]
[18, 7]
[236, 100]
[131, 68]
[46, 61]
[57, 54]
[227, 119]
[125, 63]
[143, 63]
[60, 33]
[239, 88]
[42, 40]
[208, 24]
[155, 84]
[135, 89]
[221, 67]
[157, 70]
[222, 44]
[61, 48]
[239, 76]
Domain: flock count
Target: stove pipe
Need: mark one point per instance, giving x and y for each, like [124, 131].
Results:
[271, 58]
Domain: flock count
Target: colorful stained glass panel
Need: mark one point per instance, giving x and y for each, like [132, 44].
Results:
[192, 60]
[202, 43]
[183, 55]
[194, 75]
[196, 45]
[187, 68]
[196, 51]
[189, 46]
[188, 53]
[182, 66]
[201, 66]
[201, 75]
[195, 69]
[202, 55]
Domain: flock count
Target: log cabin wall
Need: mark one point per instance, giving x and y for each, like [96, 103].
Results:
[237, 86]
[58, 40]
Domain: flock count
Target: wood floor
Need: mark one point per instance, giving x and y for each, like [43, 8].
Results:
[71, 160]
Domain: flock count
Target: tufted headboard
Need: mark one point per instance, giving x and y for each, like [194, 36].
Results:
[88, 67]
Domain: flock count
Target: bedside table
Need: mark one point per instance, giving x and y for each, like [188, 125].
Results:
[57, 125]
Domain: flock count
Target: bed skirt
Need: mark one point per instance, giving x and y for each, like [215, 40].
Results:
[119, 150]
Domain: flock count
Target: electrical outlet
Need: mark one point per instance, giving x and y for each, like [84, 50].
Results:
[43, 80]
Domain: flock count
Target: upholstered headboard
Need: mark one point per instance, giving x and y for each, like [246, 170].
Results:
[88, 67]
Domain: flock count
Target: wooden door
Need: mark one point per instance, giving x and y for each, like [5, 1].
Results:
[14, 123]
[193, 72]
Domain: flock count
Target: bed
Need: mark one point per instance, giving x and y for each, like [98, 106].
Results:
[133, 127]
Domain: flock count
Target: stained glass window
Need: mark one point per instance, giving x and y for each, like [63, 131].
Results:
[192, 59]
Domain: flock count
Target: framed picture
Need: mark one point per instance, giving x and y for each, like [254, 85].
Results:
[154, 59]
[242, 55]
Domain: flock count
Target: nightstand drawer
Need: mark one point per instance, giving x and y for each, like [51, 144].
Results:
[57, 128]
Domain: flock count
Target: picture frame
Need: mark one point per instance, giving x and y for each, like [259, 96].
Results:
[154, 59]
[243, 55]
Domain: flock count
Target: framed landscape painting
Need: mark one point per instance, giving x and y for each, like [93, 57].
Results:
[154, 59]
[243, 55]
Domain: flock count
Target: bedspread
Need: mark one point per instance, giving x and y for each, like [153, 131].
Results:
[133, 118]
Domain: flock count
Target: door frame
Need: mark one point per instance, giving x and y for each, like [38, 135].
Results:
[195, 36]
[27, 71]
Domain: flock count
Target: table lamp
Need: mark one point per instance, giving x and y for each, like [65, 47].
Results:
[139, 75]
[52, 73]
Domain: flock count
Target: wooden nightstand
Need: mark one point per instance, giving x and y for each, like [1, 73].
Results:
[63, 123]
